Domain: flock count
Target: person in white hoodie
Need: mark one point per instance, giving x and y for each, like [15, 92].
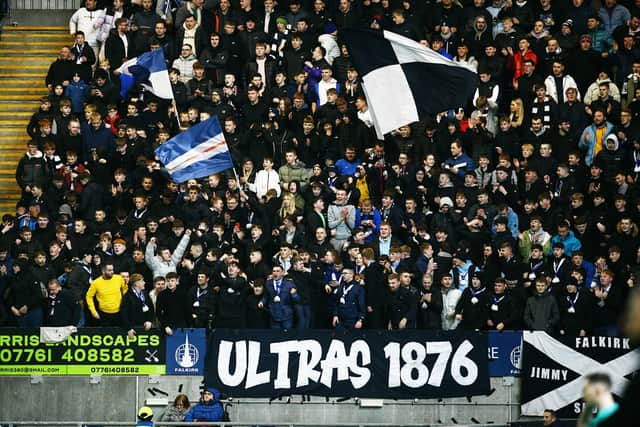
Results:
[88, 19]
[266, 179]
[450, 298]
[329, 43]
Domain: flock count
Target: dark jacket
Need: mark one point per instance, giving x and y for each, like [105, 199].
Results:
[135, 310]
[474, 307]
[576, 313]
[114, 49]
[233, 294]
[171, 308]
[101, 138]
[85, 68]
[351, 302]
[283, 309]
[503, 309]
[25, 289]
[31, 170]
[429, 313]
[63, 310]
[302, 280]
[541, 313]
[402, 305]
[202, 306]
[60, 71]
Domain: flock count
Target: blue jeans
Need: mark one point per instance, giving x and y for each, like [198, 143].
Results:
[303, 314]
[33, 318]
[283, 324]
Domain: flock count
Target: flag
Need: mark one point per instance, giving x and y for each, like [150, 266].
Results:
[149, 70]
[199, 151]
[405, 81]
[554, 370]
[50, 334]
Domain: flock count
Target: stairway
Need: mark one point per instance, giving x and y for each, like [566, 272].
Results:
[25, 55]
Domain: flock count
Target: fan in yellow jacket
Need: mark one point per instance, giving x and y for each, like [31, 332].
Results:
[108, 290]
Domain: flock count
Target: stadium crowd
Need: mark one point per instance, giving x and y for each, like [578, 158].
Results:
[517, 210]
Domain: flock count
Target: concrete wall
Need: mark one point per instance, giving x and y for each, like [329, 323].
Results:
[117, 399]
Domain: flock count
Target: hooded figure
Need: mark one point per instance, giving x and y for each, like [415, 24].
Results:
[208, 409]
[611, 158]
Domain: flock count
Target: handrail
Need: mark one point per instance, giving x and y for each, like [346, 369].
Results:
[221, 424]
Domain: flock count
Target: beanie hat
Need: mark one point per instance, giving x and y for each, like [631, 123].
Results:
[446, 201]
[330, 28]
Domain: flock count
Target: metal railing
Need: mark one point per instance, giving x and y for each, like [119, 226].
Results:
[44, 4]
[221, 424]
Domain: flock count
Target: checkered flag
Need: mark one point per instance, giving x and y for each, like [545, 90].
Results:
[405, 81]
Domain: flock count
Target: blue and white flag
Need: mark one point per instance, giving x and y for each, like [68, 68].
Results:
[149, 70]
[405, 81]
[196, 152]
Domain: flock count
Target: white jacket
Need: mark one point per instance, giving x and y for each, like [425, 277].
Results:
[552, 90]
[449, 301]
[593, 91]
[264, 182]
[89, 22]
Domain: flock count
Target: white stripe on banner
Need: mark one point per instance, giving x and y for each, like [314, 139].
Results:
[202, 151]
[388, 111]
[579, 363]
[408, 51]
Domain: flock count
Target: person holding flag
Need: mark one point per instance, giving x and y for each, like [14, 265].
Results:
[148, 70]
[199, 151]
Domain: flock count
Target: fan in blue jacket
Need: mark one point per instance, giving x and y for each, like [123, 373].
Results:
[208, 409]
[280, 295]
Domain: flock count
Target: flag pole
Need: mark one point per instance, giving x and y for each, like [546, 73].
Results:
[175, 110]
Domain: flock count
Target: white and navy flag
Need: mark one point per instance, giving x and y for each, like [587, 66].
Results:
[199, 151]
[405, 81]
[554, 370]
[149, 70]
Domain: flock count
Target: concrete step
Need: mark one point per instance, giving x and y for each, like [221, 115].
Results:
[31, 106]
[13, 122]
[7, 180]
[11, 34]
[14, 145]
[28, 43]
[41, 68]
[12, 154]
[13, 130]
[27, 90]
[11, 161]
[44, 28]
[25, 56]
[16, 115]
[8, 60]
[11, 196]
[11, 191]
[7, 163]
[52, 51]
[22, 82]
[17, 97]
